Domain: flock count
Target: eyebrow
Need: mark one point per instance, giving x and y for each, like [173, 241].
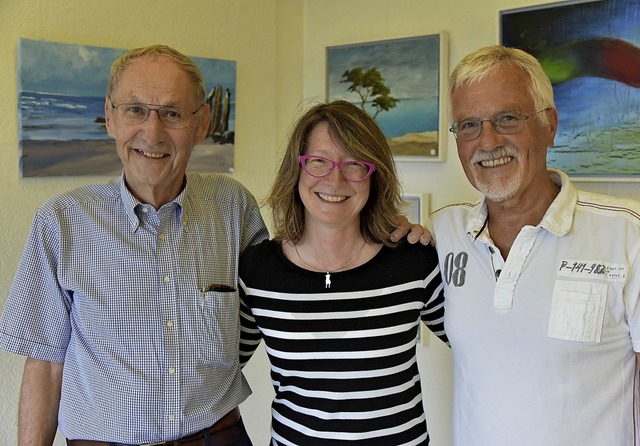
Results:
[504, 110]
[136, 100]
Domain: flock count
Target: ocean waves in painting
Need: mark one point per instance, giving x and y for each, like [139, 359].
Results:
[50, 117]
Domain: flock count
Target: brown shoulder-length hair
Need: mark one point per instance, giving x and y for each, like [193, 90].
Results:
[353, 130]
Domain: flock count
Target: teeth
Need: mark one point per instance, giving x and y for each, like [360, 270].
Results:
[152, 154]
[332, 198]
[495, 158]
[496, 162]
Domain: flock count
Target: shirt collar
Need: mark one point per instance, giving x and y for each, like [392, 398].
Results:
[131, 203]
[559, 217]
[557, 220]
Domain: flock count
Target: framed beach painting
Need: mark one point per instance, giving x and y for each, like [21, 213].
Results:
[591, 52]
[61, 98]
[401, 84]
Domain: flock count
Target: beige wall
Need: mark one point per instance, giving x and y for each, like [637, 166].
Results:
[280, 49]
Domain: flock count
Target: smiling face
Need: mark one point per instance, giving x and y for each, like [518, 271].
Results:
[331, 201]
[155, 157]
[503, 167]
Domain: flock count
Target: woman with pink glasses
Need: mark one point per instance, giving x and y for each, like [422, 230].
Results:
[337, 303]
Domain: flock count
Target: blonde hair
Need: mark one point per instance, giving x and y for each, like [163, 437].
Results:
[122, 62]
[480, 64]
[357, 134]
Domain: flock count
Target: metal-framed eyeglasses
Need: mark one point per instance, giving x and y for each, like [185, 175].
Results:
[135, 113]
[352, 170]
[505, 123]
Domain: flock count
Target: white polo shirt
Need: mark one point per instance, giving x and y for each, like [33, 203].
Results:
[544, 343]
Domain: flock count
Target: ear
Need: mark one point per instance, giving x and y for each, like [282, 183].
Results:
[552, 116]
[203, 123]
[108, 118]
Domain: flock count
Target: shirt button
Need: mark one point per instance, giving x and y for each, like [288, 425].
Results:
[161, 237]
[166, 279]
[172, 417]
[170, 324]
[172, 370]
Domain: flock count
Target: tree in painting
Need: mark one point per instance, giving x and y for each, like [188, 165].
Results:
[370, 86]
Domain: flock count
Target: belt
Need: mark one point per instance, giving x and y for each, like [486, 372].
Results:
[217, 434]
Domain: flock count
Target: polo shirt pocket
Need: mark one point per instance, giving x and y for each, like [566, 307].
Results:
[577, 311]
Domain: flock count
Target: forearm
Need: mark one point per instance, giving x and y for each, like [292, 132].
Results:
[39, 402]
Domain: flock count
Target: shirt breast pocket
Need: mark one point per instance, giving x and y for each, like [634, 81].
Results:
[220, 331]
[577, 311]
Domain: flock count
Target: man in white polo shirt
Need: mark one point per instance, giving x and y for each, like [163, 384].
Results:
[542, 281]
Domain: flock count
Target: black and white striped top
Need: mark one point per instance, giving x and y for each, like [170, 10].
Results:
[343, 359]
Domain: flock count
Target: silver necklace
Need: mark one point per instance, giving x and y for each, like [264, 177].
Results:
[327, 276]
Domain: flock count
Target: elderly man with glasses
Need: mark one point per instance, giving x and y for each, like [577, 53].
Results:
[542, 281]
[125, 299]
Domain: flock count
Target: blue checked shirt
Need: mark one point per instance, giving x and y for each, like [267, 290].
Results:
[118, 293]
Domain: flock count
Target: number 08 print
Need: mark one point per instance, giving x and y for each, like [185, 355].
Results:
[455, 269]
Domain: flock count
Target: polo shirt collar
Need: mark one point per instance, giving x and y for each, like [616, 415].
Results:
[559, 217]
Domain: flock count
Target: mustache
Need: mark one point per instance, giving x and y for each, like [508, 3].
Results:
[501, 152]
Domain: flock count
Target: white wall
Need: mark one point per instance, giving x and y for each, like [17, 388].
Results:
[280, 49]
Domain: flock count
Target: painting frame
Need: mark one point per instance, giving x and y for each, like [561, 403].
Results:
[416, 128]
[597, 139]
[61, 111]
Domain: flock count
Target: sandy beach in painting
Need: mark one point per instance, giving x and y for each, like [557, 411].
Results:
[415, 144]
[99, 157]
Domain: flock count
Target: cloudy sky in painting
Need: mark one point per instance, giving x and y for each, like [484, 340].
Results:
[409, 66]
[82, 70]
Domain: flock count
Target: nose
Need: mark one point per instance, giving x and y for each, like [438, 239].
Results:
[489, 136]
[335, 176]
[157, 114]
[153, 120]
[152, 128]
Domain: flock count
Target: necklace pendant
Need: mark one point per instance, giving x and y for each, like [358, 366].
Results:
[327, 280]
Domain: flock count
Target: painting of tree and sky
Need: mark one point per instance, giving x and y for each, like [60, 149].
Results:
[399, 83]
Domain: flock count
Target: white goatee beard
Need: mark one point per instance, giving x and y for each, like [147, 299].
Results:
[500, 190]
[497, 189]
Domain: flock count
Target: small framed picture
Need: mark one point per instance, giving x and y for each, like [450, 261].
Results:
[417, 211]
[417, 207]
